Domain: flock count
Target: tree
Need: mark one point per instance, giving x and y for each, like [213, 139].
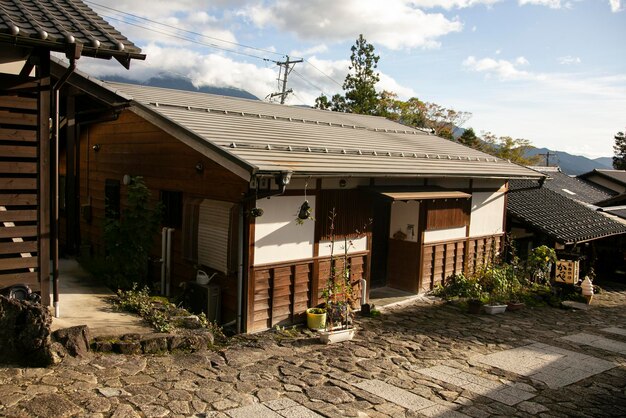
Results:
[360, 83]
[507, 148]
[359, 86]
[619, 150]
[442, 120]
[469, 138]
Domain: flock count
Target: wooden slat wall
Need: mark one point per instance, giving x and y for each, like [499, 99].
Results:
[441, 260]
[19, 169]
[282, 292]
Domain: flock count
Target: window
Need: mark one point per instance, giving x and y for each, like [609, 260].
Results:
[214, 230]
[172, 208]
[447, 213]
[112, 199]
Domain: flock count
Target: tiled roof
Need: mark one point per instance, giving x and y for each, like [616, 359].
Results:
[58, 24]
[557, 216]
[572, 187]
[618, 176]
[271, 137]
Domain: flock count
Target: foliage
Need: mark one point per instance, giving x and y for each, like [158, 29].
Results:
[460, 286]
[619, 151]
[128, 240]
[540, 261]
[317, 311]
[159, 313]
[507, 148]
[338, 293]
[469, 138]
[443, 120]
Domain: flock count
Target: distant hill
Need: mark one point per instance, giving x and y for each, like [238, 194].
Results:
[179, 83]
[607, 161]
[572, 164]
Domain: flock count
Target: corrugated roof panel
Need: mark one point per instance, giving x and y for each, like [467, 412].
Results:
[276, 137]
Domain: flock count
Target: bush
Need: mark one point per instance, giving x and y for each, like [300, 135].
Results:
[459, 286]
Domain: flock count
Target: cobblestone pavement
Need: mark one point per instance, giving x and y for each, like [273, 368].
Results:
[415, 360]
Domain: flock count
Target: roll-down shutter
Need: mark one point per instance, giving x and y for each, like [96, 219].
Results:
[213, 233]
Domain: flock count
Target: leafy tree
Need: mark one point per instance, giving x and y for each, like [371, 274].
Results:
[442, 120]
[470, 139]
[337, 103]
[128, 240]
[507, 148]
[619, 150]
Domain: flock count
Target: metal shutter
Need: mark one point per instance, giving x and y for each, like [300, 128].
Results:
[213, 233]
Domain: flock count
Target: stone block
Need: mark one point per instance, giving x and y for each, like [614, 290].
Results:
[154, 345]
[74, 339]
[128, 347]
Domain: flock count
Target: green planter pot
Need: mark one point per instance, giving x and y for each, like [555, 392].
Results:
[315, 320]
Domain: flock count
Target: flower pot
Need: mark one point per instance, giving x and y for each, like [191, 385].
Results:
[514, 306]
[315, 321]
[494, 309]
[337, 335]
[474, 306]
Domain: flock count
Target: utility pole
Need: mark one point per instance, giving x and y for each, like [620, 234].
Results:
[287, 64]
[547, 155]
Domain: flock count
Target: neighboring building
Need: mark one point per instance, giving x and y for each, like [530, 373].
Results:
[29, 32]
[614, 180]
[413, 207]
[558, 212]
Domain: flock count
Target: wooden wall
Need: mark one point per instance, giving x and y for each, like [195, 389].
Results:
[281, 293]
[24, 182]
[130, 145]
[441, 260]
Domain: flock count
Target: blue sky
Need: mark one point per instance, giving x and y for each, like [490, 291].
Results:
[551, 71]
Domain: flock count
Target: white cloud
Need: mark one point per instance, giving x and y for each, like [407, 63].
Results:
[396, 24]
[453, 4]
[521, 61]
[569, 60]
[553, 4]
[317, 49]
[504, 69]
[615, 6]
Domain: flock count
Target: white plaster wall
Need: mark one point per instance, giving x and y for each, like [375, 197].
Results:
[487, 213]
[277, 236]
[355, 245]
[12, 67]
[403, 214]
[449, 234]
[450, 183]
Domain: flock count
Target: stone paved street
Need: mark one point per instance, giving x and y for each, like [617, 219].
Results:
[418, 359]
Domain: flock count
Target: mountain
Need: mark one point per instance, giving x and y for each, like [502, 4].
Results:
[607, 161]
[179, 83]
[571, 164]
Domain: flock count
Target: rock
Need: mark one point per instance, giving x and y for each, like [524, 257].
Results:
[25, 333]
[112, 392]
[532, 408]
[128, 347]
[331, 394]
[51, 405]
[154, 345]
[74, 339]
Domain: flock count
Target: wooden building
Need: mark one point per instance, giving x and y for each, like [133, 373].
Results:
[411, 208]
[29, 31]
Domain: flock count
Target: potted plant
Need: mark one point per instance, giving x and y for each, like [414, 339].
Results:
[338, 295]
[460, 286]
[496, 280]
[515, 295]
[316, 318]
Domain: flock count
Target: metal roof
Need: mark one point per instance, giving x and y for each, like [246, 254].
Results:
[617, 176]
[268, 137]
[557, 216]
[421, 195]
[59, 24]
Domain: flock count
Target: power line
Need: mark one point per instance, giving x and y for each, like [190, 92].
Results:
[323, 73]
[288, 68]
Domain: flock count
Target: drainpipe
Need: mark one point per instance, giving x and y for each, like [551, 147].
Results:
[240, 270]
[54, 247]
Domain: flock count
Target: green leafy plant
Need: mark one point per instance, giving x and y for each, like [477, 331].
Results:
[460, 286]
[540, 261]
[128, 240]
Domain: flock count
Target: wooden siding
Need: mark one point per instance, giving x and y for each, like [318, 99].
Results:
[447, 213]
[353, 209]
[441, 260]
[281, 293]
[403, 265]
[20, 209]
[133, 146]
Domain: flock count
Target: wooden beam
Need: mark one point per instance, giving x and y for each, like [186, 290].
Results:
[18, 167]
[24, 135]
[9, 183]
[18, 247]
[11, 118]
[18, 263]
[18, 215]
[16, 102]
[18, 151]
[18, 231]
[18, 199]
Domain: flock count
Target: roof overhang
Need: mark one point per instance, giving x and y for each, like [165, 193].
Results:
[426, 195]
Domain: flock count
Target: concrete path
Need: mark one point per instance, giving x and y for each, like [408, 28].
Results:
[83, 301]
[415, 360]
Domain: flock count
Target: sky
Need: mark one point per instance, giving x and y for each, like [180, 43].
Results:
[550, 71]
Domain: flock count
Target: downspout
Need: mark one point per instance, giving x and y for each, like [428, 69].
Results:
[240, 269]
[54, 247]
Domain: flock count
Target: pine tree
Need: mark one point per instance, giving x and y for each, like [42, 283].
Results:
[361, 96]
[470, 139]
[619, 150]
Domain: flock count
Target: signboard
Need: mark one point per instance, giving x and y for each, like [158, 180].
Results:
[567, 271]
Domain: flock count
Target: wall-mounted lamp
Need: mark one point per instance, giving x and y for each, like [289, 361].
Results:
[126, 180]
[342, 183]
[199, 167]
[284, 178]
[96, 147]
